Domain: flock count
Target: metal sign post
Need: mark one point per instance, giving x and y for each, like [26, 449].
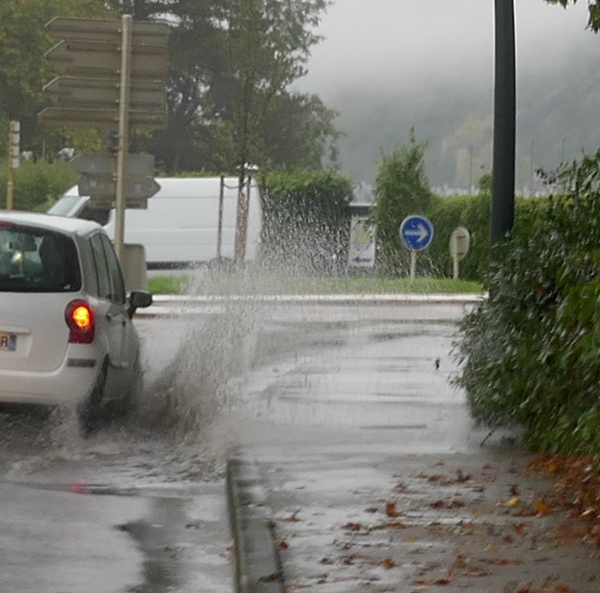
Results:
[14, 128]
[123, 135]
[220, 221]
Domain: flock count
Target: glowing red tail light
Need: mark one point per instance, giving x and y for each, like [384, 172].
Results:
[80, 319]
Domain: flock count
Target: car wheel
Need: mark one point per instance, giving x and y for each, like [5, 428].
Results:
[131, 398]
[89, 412]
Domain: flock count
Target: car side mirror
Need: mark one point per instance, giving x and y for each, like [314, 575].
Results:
[138, 299]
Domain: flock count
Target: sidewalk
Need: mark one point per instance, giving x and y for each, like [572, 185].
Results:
[475, 521]
[408, 503]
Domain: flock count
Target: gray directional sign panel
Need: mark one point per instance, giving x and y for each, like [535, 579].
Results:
[103, 163]
[92, 58]
[144, 32]
[100, 118]
[105, 185]
[68, 91]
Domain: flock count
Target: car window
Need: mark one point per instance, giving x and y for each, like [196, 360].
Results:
[36, 260]
[102, 275]
[114, 271]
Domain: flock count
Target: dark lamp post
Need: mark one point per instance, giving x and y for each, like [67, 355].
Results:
[503, 171]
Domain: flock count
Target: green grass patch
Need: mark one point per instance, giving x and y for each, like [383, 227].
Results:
[278, 285]
[168, 284]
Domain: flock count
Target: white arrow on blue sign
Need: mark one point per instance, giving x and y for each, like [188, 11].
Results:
[416, 232]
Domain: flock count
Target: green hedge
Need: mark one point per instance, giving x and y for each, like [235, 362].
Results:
[531, 352]
[306, 222]
[473, 213]
[37, 184]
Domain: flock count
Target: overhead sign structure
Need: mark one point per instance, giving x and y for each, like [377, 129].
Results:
[90, 58]
[416, 233]
[113, 75]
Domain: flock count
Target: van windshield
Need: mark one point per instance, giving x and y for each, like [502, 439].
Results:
[37, 260]
[64, 206]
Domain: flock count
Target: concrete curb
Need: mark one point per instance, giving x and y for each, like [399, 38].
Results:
[173, 305]
[257, 566]
[188, 300]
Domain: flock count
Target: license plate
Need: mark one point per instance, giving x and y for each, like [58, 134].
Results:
[8, 342]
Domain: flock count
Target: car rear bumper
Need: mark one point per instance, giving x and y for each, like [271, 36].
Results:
[67, 385]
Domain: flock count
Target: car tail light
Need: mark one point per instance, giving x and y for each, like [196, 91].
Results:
[80, 319]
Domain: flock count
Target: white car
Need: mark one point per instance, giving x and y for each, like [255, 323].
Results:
[66, 331]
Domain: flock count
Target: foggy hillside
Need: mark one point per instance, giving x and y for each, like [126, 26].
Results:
[429, 64]
[556, 119]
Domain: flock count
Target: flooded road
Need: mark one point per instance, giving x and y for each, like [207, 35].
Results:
[141, 507]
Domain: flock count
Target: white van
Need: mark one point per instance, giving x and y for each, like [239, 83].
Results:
[180, 225]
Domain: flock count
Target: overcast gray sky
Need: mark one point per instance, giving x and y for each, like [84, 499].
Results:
[394, 43]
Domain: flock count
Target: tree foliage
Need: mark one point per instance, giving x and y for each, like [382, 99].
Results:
[231, 63]
[593, 8]
[37, 184]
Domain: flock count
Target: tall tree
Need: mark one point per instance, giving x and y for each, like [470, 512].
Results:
[231, 62]
[269, 46]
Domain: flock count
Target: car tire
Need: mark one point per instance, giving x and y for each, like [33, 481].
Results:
[89, 412]
[131, 398]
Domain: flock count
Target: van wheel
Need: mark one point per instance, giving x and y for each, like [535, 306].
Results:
[89, 412]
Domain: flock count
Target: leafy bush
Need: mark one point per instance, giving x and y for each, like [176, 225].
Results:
[531, 351]
[306, 221]
[37, 184]
[401, 189]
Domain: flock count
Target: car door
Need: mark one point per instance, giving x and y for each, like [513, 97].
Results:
[119, 300]
[111, 313]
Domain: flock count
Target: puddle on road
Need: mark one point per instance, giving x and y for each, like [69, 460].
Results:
[177, 431]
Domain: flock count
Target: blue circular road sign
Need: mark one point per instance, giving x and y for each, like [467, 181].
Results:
[416, 232]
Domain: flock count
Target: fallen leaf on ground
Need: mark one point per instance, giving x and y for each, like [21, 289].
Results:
[282, 544]
[540, 506]
[446, 580]
[442, 504]
[515, 501]
[352, 526]
[503, 561]
[462, 477]
[293, 518]
[390, 509]
[388, 564]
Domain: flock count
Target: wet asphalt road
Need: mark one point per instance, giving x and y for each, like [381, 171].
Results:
[141, 507]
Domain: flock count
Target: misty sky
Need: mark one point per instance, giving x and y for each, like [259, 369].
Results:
[388, 44]
[385, 65]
